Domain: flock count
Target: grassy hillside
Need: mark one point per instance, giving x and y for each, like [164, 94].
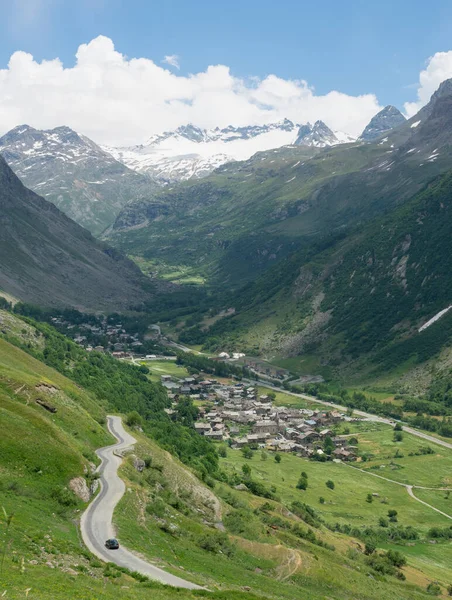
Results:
[40, 453]
[239, 544]
[351, 311]
[172, 519]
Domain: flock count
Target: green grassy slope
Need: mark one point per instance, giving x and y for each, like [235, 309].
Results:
[40, 453]
[360, 301]
[168, 514]
[169, 517]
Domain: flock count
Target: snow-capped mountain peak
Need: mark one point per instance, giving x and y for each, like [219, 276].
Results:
[191, 152]
[73, 172]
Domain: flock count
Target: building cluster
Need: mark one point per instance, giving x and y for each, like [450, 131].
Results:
[242, 417]
[104, 336]
[101, 337]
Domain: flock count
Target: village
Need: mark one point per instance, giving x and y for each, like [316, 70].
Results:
[237, 414]
[110, 336]
[232, 412]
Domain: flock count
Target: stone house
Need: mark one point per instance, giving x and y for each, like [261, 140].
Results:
[266, 427]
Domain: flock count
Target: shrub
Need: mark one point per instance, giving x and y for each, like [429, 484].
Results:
[330, 484]
[392, 514]
[247, 452]
[222, 451]
[369, 498]
[302, 483]
[133, 419]
[156, 508]
[434, 589]
[246, 469]
[278, 458]
[438, 532]
[306, 513]
[370, 548]
[217, 543]
[322, 500]
[238, 522]
[64, 497]
[258, 489]
[396, 558]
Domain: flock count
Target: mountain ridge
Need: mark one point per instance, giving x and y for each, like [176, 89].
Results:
[74, 173]
[50, 260]
[190, 152]
[383, 122]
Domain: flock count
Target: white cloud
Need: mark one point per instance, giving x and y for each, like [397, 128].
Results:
[439, 68]
[119, 101]
[172, 60]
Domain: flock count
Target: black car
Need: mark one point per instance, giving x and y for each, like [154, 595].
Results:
[112, 544]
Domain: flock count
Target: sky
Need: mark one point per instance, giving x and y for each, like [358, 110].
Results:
[120, 71]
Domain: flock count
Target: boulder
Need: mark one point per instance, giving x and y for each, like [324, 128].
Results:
[241, 487]
[139, 464]
[80, 488]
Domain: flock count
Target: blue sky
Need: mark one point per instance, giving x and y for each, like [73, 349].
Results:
[356, 47]
[350, 45]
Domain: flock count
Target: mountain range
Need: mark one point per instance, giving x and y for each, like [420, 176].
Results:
[190, 152]
[251, 227]
[92, 184]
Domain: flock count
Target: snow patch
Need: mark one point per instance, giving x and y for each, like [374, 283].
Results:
[435, 318]
[413, 125]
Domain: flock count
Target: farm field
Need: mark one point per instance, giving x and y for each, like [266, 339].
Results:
[348, 502]
[158, 368]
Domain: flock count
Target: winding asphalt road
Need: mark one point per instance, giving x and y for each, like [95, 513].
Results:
[96, 522]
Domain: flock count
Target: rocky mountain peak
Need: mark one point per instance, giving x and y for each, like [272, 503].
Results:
[73, 172]
[445, 89]
[437, 102]
[319, 135]
[384, 121]
[191, 132]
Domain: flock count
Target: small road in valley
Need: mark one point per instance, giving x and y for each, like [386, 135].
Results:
[96, 522]
[409, 488]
